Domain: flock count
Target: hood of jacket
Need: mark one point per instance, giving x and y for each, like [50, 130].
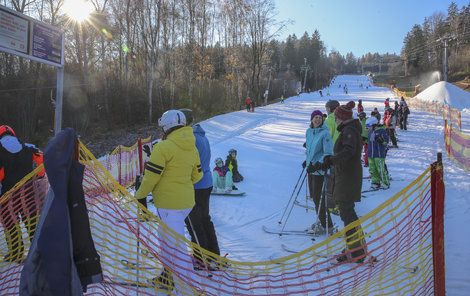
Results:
[354, 123]
[197, 129]
[183, 138]
[11, 144]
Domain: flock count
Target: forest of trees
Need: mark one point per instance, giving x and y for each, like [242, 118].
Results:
[134, 59]
[423, 49]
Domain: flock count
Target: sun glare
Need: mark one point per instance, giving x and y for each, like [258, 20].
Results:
[78, 10]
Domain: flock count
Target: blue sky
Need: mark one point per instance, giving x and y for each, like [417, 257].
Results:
[359, 26]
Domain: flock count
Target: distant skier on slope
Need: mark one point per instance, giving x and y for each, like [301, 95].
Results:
[319, 145]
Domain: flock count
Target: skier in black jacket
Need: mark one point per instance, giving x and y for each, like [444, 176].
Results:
[16, 161]
[348, 179]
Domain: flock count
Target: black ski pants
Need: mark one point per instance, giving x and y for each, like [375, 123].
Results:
[315, 186]
[203, 229]
[354, 237]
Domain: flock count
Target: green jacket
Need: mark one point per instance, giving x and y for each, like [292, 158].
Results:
[331, 124]
[173, 168]
[364, 133]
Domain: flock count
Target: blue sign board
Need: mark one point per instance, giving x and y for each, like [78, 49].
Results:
[46, 43]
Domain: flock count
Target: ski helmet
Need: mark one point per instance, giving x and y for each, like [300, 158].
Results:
[188, 113]
[6, 130]
[171, 119]
[371, 121]
[218, 160]
[232, 151]
[331, 105]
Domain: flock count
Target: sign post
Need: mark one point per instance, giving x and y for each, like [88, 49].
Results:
[28, 38]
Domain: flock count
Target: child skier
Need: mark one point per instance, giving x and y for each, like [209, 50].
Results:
[377, 151]
[221, 177]
[232, 164]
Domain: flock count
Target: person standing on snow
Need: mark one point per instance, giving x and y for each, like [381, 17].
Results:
[364, 135]
[390, 122]
[199, 223]
[330, 122]
[378, 140]
[360, 108]
[348, 180]
[248, 103]
[16, 161]
[405, 111]
[170, 174]
[319, 145]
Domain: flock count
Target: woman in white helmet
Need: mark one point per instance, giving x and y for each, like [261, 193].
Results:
[170, 174]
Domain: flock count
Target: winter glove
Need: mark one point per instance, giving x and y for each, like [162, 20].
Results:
[327, 162]
[305, 145]
[312, 168]
[146, 149]
[304, 164]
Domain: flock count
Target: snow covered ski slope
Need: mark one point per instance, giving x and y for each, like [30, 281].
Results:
[269, 144]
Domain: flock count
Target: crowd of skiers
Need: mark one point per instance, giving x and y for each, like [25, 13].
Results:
[334, 146]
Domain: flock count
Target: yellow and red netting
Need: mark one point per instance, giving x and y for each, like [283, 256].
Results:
[132, 244]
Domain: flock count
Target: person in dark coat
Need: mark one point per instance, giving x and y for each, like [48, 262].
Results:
[346, 161]
[405, 111]
[17, 160]
[232, 163]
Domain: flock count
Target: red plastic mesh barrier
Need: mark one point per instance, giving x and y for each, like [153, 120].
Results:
[397, 236]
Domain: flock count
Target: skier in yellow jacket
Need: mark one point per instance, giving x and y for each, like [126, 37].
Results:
[170, 174]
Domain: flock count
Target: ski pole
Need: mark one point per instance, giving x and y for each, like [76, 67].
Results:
[297, 195]
[292, 195]
[197, 242]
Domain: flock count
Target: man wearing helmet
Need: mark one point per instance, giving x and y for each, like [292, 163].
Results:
[170, 174]
[16, 161]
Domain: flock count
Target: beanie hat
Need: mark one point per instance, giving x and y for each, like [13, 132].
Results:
[315, 113]
[344, 112]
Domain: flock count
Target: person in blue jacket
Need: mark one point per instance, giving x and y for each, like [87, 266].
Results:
[318, 144]
[199, 221]
[377, 151]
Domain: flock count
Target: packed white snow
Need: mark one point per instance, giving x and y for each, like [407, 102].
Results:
[446, 93]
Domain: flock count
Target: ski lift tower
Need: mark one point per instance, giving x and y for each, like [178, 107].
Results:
[28, 38]
[305, 68]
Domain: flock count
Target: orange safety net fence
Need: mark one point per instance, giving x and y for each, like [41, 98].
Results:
[397, 236]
